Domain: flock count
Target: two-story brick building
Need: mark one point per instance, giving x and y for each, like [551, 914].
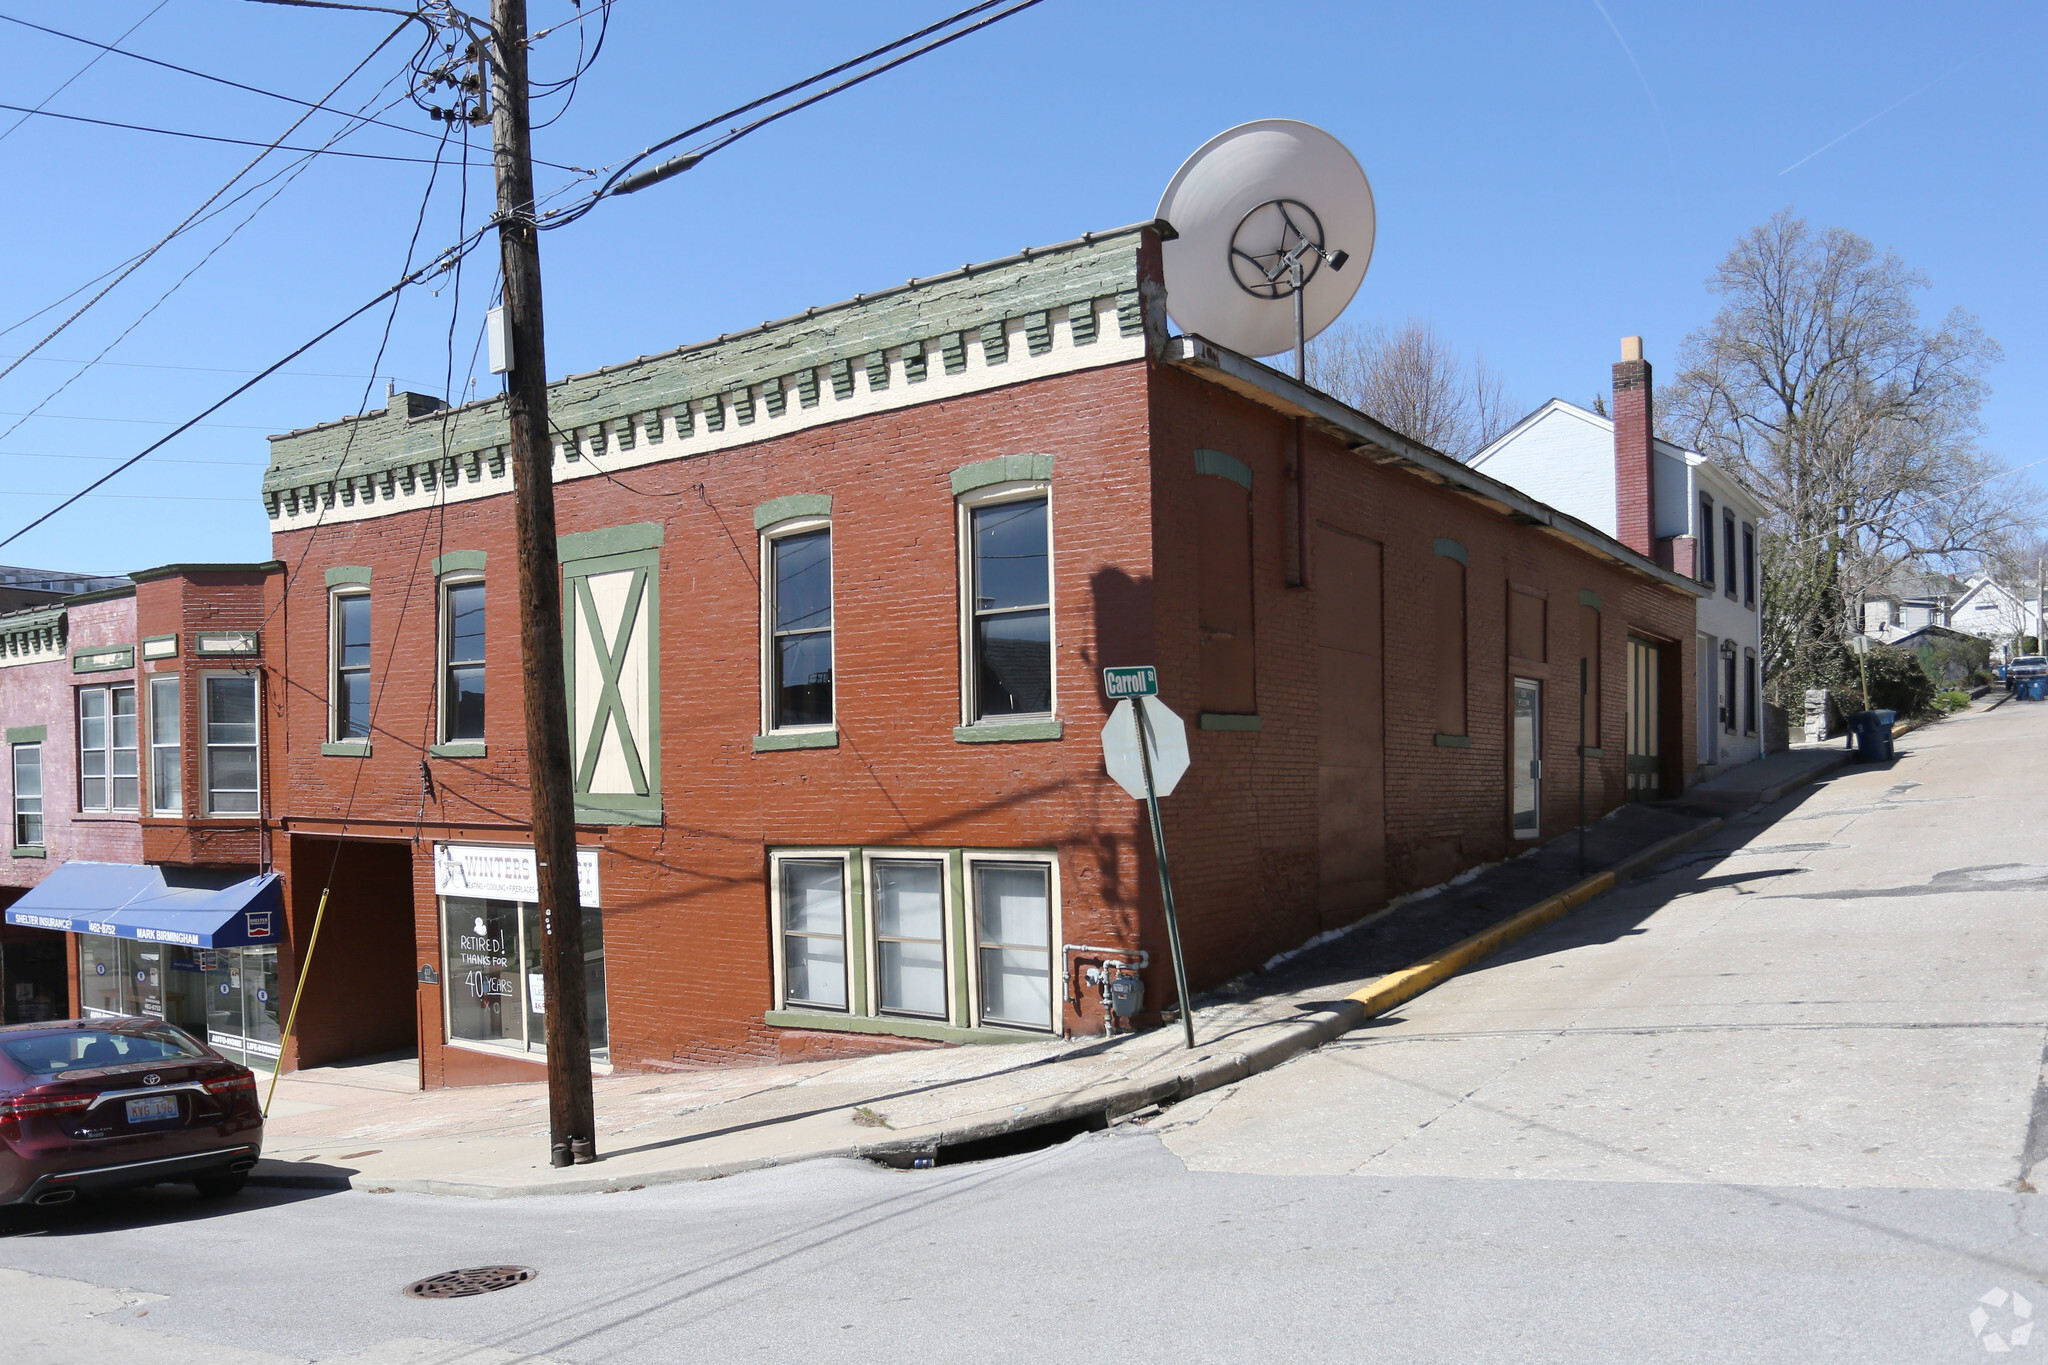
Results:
[838, 590]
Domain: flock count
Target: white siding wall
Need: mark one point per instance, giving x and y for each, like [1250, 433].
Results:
[1563, 459]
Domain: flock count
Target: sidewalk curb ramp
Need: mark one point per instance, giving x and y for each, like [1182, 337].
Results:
[1097, 1107]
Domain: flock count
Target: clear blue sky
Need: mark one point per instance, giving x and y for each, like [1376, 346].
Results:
[1549, 177]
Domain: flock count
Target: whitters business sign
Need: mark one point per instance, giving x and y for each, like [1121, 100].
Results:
[504, 872]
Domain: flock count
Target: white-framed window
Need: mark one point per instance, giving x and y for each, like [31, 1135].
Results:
[1013, 906]
[812, 927]
[107, 753]
[911, 952]
[28, 795]
[229, 722]
[796, 616]
[1704, 533]
[1006, 641]
[349, 656]
[964, 938]
[462, 659]
[166, 768]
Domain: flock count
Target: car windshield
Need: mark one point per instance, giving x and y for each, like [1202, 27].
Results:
[2030, 660]
[52, 1054]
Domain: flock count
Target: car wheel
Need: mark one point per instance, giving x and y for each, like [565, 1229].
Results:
[220, 1184]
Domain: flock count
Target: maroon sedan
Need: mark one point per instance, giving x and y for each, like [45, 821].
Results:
[99, 1104]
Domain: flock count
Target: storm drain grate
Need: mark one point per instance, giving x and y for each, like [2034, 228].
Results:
[461, 1284]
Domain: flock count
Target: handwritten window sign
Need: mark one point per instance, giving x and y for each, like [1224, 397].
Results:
[504, 872]
[1139, 681]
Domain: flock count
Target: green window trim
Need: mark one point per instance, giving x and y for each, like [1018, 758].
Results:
[28, 851]
[894, 1027]
[148, 652]
[1453, 741]
[613, 540]
[461, 748]
[1451, 549]
[27, 734]
[1589, 598]
[790, 507]
[102, 658]
[1002, 469]
[460, 561]
[642, 753]
[1224, 467]
[796, 739]
[1008, 732]
[345, 748]
[342, 575]
[1592, 751]
[1212, 720]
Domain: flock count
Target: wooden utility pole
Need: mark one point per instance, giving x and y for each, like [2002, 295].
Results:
[571, 1114]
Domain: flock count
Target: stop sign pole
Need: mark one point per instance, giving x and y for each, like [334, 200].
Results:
[1134, 686]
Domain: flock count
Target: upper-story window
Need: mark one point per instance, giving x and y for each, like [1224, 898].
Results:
[230, 728]
[462, 649]
[107, 755]
[1728, 548]
[799, 621]
[350, 653]
[166, 769]
[28, 795]
[1705, 533]
[1009, 604]
[1748, 565]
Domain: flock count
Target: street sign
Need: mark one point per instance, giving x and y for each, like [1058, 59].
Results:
[1169, 745]
[1860, 644]
[1139, 681]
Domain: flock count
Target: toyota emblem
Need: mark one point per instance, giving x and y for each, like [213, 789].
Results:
[152, 1079]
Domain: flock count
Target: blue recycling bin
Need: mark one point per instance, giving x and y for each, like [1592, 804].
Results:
[1872, 733]
[2033, 689]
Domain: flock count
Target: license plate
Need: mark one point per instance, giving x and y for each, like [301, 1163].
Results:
[152, 1107]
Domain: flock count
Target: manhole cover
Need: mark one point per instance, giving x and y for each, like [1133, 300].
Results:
[461, 1284]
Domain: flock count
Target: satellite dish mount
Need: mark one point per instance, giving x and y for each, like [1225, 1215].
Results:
[1243, 202]
[1275, 251]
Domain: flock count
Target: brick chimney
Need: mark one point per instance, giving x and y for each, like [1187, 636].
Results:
[1634, 480]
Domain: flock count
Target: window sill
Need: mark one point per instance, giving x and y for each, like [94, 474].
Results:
[796, 739]
[1453, 741]
[589, 814]
[345, 748]
[539, 1057]
[29, 851]
[459, 748]
[1591, 751]
[104, 817]
[1007, 731]
[1211, 720]
[898, 1028]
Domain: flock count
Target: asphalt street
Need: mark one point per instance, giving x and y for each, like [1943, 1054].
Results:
[1778, 1102]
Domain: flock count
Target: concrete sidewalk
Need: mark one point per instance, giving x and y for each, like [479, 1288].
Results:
[369, 1127]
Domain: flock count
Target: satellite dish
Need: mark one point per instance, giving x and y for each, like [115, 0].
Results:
[1276, 229]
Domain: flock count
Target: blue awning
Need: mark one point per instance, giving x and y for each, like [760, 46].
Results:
[195, 907]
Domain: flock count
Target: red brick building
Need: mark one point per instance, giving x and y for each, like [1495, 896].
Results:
[839, 590]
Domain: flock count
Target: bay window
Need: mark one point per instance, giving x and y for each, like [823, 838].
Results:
[107, 754]
[229, 725]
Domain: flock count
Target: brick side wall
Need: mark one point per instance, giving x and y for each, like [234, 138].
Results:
[1242, 827]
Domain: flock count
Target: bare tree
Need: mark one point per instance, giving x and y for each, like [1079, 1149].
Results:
[1817, 385]
[1414, 381]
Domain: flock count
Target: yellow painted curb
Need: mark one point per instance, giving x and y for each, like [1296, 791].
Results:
[1397, 987]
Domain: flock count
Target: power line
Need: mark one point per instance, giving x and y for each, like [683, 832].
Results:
[218, 80]
[138, 262]
[89, 65]
[216, 137]
[621, 183]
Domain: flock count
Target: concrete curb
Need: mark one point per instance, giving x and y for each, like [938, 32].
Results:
[1211, 1070]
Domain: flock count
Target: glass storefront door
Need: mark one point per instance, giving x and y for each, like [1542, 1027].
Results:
[241, 1004]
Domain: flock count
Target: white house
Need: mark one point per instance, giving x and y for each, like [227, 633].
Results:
[1996, 613]
[1616, 474]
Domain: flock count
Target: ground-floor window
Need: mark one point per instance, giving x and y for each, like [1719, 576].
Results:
[227, 996]
[495, 991]
[958, 937]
